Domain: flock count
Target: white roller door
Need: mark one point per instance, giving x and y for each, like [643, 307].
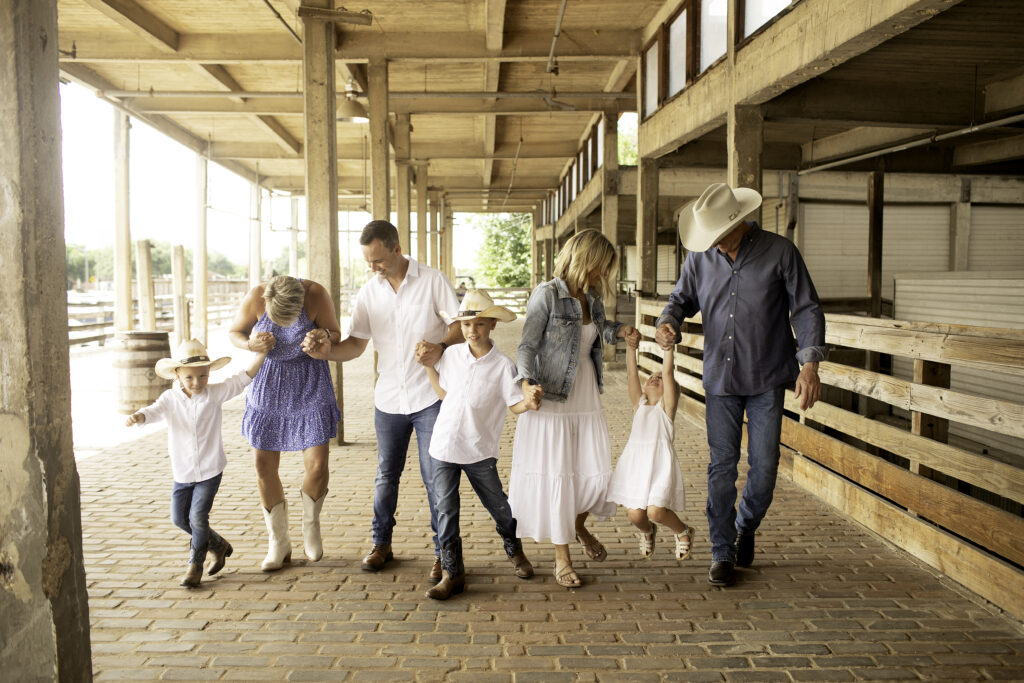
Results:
[997, 238]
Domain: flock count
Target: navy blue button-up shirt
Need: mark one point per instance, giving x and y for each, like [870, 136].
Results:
[750, 309]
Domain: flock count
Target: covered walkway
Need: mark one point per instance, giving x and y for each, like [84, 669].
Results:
[826, 600]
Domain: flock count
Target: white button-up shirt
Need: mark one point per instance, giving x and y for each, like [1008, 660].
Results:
[468, 427]
[396, 322]
[193, 428]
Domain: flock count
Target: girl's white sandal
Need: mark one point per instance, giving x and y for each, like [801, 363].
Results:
[683, 543]
[647, 541]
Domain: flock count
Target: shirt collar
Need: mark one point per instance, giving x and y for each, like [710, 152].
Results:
[412, 271]
[473, 359]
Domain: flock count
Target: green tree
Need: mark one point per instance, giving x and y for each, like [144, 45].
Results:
[218, 263]
[627, 136]
[282, 265]
[504, 256]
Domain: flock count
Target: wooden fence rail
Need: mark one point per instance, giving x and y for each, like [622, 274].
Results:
[901, 482]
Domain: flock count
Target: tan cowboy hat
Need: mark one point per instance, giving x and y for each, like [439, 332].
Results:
[711, 216]
[190, 354]
[478, 304]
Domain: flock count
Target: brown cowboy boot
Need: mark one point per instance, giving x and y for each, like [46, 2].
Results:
[379, 556]
[521, 566]
[435, 572]
[453, 572]
[193, 575]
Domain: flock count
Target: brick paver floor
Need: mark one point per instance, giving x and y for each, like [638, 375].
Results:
[826, 600]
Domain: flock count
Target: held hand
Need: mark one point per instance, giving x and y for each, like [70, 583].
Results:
[633, 339]
[262, 342]
[428, 353]
[315, 345]
[624, 331]
[665, 336]
[808, 386]
[135, 418]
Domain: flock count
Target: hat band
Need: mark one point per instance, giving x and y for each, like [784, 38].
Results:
[468, 312]
[194, 359]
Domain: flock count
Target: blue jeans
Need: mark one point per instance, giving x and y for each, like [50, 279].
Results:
[394, 430]
[190, 512]
[724, 420]
[483, 477]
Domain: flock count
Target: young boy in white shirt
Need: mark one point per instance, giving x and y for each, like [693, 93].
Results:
[475, 382]
[193, 414]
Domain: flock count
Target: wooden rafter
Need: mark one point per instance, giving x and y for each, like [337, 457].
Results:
[139, 21]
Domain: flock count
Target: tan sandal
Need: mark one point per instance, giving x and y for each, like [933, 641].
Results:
[593, 548]
[684, 542]
[647, 540]
[562, 576]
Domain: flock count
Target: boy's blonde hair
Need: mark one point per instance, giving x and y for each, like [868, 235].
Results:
[284, 296]
[585, 251]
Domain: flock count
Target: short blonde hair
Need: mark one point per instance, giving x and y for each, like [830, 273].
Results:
[585, 251]
[284, 296]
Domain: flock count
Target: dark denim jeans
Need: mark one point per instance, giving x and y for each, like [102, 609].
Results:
[190, 512]
[483, 477]
[394, 430]
[725, 429]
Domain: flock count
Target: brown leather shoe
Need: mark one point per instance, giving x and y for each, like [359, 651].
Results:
[217, 558]
[435, 571]
[448, 585]
[192, 576]
[521, 566]
[379, 556]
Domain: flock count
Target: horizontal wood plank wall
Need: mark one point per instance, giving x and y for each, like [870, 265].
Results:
[972, 541]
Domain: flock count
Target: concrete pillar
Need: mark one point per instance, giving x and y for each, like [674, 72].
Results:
[380, 171]
[123, 317]
[403, 174]
[44, 629]
[610, 210]
[180, 300]
[960, 229]
[647, 226]
[293, 242]
[421, 213]
[321, 146]
[200, 270]
[144, 283]
[435, 243]
[876, 206]
[255, 235]
[745, 140]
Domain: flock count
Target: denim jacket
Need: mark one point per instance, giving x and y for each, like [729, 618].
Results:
[550, 345]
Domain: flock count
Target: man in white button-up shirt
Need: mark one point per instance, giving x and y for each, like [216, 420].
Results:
[398, 309]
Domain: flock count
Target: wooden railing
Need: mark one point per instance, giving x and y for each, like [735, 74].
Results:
[513, 298]
[901, 480]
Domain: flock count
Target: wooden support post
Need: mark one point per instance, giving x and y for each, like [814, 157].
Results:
[144, 280]
[200, 275]
[380, 172]
[610, 211]
[930, 374]
[180, 300]
[403, 175]
[960, 229]
[745, 139]
[44, 629]
[421, 214]
[123, 315]
[876, 209]
[255, 235]
[435, 232]
[549, 257]
[321, 147]
[647, 226]
[293, 241]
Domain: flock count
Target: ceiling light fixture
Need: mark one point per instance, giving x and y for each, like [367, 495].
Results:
[350, 110]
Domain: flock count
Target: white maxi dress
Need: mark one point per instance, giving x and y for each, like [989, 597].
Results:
[561, 459]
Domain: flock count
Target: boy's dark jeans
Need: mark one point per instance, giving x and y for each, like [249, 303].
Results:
[190, 512]
[483, 477]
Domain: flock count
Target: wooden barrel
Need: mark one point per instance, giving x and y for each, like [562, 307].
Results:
[135, 357]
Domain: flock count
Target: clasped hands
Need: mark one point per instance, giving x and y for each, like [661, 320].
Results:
[316, 343]
[261, 342]
[428, 353]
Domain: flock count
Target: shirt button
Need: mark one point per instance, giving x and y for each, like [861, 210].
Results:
[730, 315]
[728, 359]
[730, 336]
[734, 272]
[732, 293]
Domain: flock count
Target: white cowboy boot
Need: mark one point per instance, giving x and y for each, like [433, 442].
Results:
[311, 526]
[279, 551]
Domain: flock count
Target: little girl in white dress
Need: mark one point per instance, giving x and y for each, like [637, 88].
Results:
[647, 480]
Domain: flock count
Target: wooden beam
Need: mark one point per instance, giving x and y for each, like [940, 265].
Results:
[1004, 96]
[857, 141]
[281, 135]
[144, 285]
[419, 152]
[218, 73]
[335, 15]
[495, 25]
[380, 165]
[876, 206]
[123, 317]
[647, 225]
[139, 21]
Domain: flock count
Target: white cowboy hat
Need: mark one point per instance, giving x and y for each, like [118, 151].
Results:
[190, 354]
[711, 216]
[478, 304]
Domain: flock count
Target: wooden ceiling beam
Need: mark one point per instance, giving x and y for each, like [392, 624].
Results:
[219, 74]
[270, 107]
[358, 47]
[140, 21]
[857, 141]
[989, 151]
[1004, 96]
[281, 136]
[421, 152]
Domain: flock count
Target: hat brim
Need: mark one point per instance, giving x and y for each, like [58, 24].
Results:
[499, 313]
[165, 367]
[695, 238]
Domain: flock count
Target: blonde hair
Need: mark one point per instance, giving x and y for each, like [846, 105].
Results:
[585, 251]
[284, 296]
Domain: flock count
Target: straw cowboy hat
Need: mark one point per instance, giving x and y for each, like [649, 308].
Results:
[478, 304]
[711, 216]
[190, 354]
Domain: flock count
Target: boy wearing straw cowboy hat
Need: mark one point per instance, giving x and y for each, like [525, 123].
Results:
[753, 291]
[193, 415]
[476, 382]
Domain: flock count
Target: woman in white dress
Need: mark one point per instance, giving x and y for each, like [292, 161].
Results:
[561, 457]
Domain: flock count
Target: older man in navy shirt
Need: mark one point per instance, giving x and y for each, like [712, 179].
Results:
[753, 291]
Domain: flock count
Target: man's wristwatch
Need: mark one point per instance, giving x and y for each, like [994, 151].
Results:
[443, 347]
